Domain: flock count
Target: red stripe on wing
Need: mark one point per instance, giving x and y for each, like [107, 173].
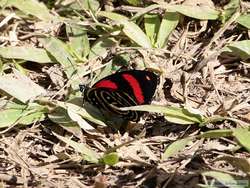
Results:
[135, 87]
[106, 84]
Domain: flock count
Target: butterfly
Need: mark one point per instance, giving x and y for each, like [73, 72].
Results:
[122, 89]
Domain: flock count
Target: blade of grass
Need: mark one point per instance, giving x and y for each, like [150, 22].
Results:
[20, 87]
[243, 136]
[223, 178]
[172, 114]
[244, 20]
[129, 28]
[152, 25]
[144, 11]
[229, 9]
[25, 53]
[59, 51]
[175, 147]
[239, 48]
[78, 41]
[198, 12]
[87, 153]
[169, 22]
[30, 7]
[101, 46]
[110, 158]
[12, 113]
[79, 110]
[216, 133]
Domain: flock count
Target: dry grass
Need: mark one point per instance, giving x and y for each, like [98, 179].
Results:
[195, 74]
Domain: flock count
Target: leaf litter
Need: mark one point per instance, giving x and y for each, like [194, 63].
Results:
[204, 58]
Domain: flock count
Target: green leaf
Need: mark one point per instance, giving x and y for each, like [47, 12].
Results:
[144, 11]
[232, 4]
[182, 116]
[169, 22]
[60, 116]
[74, 108]
[135, 33]
[20, 69]
[78, 41]
[214, 119]
[129, 28]
[152, 25]
[243, 136]
[229, 10]
[60, 52]
[216, 133]
[25, 53]
[224, 178]
[112, 16]
[101, 46]
[198, 12]
[172, 114]
[30, 7]
[106, 71]
[244, 20]
[20, 87]
[175, 147]
[1, 66]
[110, 158]
[87, 153]
[239, 48]
[134, 2]
[12, 113]
[89, 4]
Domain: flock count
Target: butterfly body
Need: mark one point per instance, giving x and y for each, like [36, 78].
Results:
[123, 89]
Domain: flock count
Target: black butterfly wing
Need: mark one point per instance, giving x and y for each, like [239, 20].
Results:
[122, 89]
[139, 84]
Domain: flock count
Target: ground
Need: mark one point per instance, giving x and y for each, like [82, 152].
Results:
[199, 135]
